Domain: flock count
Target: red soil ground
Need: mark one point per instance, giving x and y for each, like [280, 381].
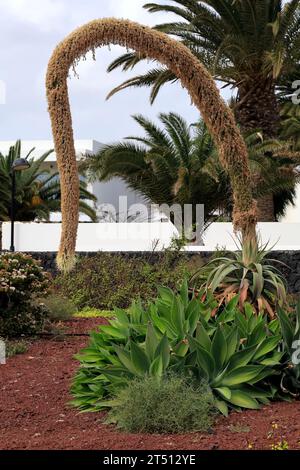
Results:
[34, 411]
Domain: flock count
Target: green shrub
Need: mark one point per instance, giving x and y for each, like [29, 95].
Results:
[171, 405]
[25, 319]
[59, 308]
[13, 348]
[235, 353]
[106, 281]
[22, 280]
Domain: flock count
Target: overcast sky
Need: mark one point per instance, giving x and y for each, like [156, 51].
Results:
[30, 29]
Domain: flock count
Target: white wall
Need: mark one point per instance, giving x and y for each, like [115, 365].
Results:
[91, 237]
[284, 236]
[292, 214]
[141, 236]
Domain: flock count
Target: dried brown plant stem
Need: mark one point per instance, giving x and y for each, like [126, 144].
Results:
[193, 76]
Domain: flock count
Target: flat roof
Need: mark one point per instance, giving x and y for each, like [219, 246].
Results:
[42, 146]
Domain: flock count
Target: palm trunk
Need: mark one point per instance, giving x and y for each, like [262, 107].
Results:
[257, 109]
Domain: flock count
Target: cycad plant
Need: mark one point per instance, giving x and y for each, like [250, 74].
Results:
[249, 45]
[37, 191]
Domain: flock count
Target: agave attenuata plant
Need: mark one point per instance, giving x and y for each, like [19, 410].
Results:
[248, 272]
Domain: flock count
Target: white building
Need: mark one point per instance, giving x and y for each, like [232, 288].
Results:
[140, 236]
[106, 193]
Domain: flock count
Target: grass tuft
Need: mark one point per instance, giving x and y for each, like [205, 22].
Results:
[168, 406]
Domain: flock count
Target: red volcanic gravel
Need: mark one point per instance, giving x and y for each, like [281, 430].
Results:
[34, 410]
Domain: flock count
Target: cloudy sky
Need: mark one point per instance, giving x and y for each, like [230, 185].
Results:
[29, 30]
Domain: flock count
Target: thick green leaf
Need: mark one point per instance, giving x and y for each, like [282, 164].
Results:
[163, 325]
[241, 323]
[220, 275]
[192, 314]
[249, 311]
[266, 372]
[241, 375]
[177, 316]
[184, 293]
[286, 328]
[181, 349]
[267, 346]
[225, 392]
[125, 359]
[232, 304]
[256, 392]
[122, 316]
[274, 326]
[166, 294]
[204, 358]
[239, 398]
[157, 368]
[163, 351]
[222, 407]
[274, 360]
[151, 342]
[241, 358]
[258, 281]
[136, 312]
[118, 333]
[219, 348]
[139, 358]
[232, 342]
[203, 337]
[117, 376]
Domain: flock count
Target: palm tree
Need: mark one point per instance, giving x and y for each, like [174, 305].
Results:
[277, 166]
[178, 164]
[37, 191]
[166, 166]
[290, 124]
[249, 45]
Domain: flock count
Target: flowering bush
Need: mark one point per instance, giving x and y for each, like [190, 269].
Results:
[21, 277]
[22, 280]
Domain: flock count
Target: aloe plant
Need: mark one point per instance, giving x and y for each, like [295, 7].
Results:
[248, 272]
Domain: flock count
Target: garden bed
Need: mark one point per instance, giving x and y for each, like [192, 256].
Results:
[34, 411]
